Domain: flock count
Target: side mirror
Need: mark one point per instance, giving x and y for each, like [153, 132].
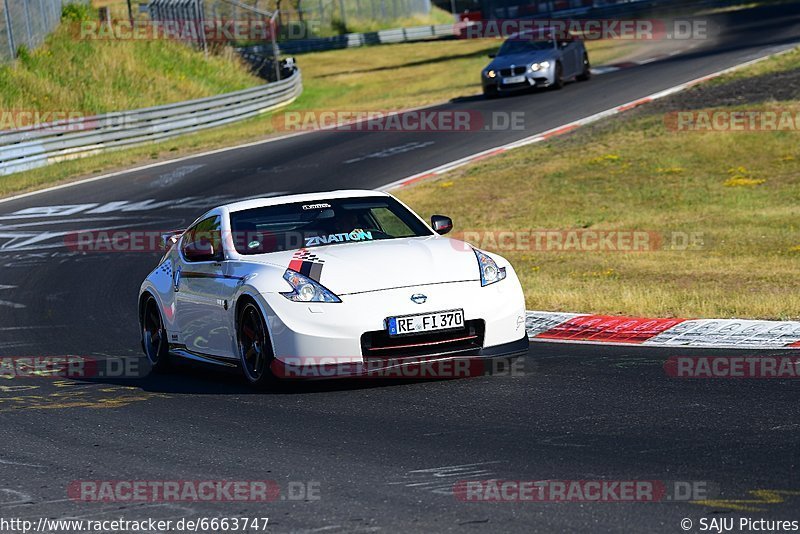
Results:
[200, 251]
[441, 224]
[170, 238]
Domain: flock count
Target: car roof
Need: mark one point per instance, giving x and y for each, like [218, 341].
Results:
[305, 197]
[543, 33]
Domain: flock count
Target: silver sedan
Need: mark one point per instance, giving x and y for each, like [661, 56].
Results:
[525, 61]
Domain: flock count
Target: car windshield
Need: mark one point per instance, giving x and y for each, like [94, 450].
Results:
[521, 45]
[322, 222]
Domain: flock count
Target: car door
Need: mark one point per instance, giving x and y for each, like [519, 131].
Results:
[569, 51]
[198, 290]
[574, 48]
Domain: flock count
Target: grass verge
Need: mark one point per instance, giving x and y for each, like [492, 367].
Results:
[407, 75]
[365, 24]
[388, 77]
[739, 192]
[333, 25]
[71, 74]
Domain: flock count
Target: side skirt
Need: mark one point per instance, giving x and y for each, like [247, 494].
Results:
[183, 352]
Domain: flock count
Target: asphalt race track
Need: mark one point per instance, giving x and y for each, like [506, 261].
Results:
[383, 456]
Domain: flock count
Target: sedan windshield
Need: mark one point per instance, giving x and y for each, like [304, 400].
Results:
[323, 222]
[520, 45]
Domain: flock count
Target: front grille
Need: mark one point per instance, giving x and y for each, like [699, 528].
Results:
[516, 71]
[379, 344]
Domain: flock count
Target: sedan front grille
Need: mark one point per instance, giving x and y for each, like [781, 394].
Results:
[516, 71]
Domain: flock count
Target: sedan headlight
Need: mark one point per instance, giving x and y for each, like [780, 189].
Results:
[540, 66]
[490, 272]
[491, 74]
[305, 289]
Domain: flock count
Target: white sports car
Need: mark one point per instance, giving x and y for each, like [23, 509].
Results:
[340, 277]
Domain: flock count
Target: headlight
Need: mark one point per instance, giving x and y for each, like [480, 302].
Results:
[535, 67]
[305, 289]
[490, 272]
[544, 64]
[491, 74]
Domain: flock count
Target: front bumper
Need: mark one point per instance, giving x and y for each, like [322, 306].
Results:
[540, 78]
[487, 361]
[312, 331]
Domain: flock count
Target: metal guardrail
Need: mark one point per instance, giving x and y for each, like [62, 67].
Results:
[351, 40]
[418, 33]
[44, 144]
[629, 8]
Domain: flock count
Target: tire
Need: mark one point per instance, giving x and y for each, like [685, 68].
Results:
[255, 348]
[490, 92]
[155, 343]
[586, 75]
[558, 77]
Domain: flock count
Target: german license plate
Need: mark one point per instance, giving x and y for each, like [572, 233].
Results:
[425, 322]
[513, 79]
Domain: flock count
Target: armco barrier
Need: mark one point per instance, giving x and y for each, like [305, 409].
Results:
[353, 40]
[44, 144]
[630, 8]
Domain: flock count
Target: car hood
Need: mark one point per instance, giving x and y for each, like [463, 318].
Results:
[502, 62]
[376, 265]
